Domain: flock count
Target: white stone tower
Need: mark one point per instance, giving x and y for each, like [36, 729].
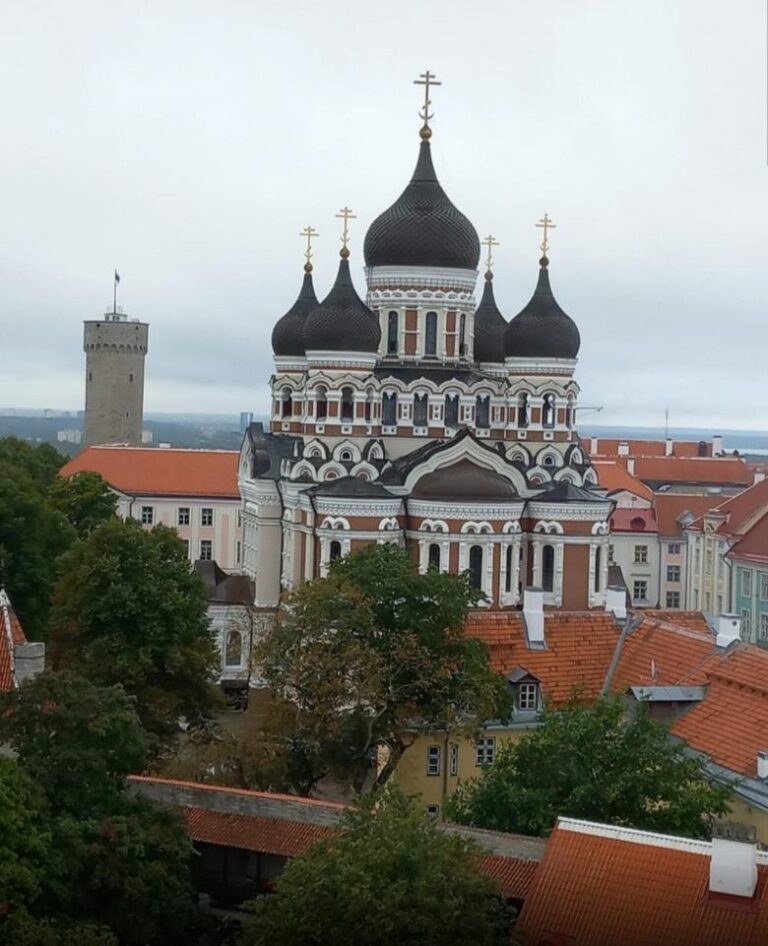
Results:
[115, 349]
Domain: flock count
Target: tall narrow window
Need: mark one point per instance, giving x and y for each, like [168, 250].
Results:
[548, 568]
[462, 335]
[392, 328]
[287, 402]
[347, 404]
[368, 404]
[598, 568]
[430, 334]
[548, 411]
[335, 550]
[476, 566]
[483, 411]
[233, 656]
[451, 410]
[322, 403]
[570, 414]
[420, 406]
[510, 559]
[434, 555]
[522, 410]
[389, 409]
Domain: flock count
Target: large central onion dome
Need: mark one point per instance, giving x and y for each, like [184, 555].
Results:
[342, 321]
[542, 329]
[288, 333]
[422, 227]
[490, 326]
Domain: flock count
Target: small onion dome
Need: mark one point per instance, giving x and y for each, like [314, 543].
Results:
[467, 482]
[542, 329]
[490, 326]
[288, 333]
[342, 321]
[422, 227]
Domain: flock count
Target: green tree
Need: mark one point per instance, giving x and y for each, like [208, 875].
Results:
[40, 464]
[592, 762]
[391, 877]
[371, 653]
[25, 838]
[129, 610]
[23, 930]
[76, 740]
[85, 499]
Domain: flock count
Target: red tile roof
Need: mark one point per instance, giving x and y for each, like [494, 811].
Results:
[671, 507]
[731, 723]
[144, 471]
[11, 633]
[705, 471]
[754, 546]
[609, 446]
[513, 875]
[633, 520]
[613, 476]
[577, 656]
[601, 886]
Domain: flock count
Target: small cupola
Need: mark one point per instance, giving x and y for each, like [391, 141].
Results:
[490, 324]
[288, 333]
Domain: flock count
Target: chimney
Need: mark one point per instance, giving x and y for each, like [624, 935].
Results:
[669, 447]
[593, 445]
[623, 450]
[616, 601]
[733, 864]
[533, 615]
[717, 445]
[29, 660]
[631, 466]
[762, 764]
[728, 629]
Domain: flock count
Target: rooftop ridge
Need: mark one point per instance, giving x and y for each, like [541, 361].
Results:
[243, 792]
[127, 446]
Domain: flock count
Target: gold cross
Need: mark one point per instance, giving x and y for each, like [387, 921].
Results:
[490, 242]
[546, 224]
[309, 232]
[426, 79]
[346, 215]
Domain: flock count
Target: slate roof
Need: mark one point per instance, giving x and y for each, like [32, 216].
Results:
[351, 487]
[224, 588]
[465, 481]
[565, 492]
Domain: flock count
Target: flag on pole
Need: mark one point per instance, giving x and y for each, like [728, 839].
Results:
[117, 277]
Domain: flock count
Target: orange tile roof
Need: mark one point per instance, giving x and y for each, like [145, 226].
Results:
[636, 889]
[11, 633]
[754, 545]
[609, 446]
[143, 471]
[613, 476]
[633, 520]
[226, 790]
[707, 471]
[670, 507]
[742, 511]
[577, 656]
[513, 874]
[731, 723]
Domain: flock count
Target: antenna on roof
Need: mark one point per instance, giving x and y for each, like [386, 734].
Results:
[666, 423]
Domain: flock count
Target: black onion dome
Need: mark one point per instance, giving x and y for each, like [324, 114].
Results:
[490, 326]
[542, 329]
[342, 321]
[465, 481]
[288, 333]
[422, 227]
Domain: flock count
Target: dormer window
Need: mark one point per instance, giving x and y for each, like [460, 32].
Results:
[527, 697]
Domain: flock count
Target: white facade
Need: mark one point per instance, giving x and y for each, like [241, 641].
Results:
[638, 555]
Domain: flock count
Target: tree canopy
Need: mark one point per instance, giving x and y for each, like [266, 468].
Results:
[593, 762]
[391, 877]
[129, 610]
[85, 499]
[373, 654]
[25, 837]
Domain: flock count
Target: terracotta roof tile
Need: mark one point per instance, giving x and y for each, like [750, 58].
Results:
[633, 520]
[11, 633]
[512, 874]
[754, 545]
[714, 471]
[602, 891]
[609, 446]
[671, 507]
[613, 476]
[269, 835]
[142, 471]
[662, 653]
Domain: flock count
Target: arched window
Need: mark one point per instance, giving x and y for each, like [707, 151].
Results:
[420, 405]
[430, 334]
[548, 411]
[233, 654]
[322, 402]
[389, 409]
[434, 556]
[522, 410]
[392, 326]
[548, 568]
[335, 550]
[368, 404]
[462, 335]
[287, 402]
[451, 411]
[483, 411]
[347, 403]
[345, 456]
[548, 460]
[598, 562]
[570, 413]
[510, 560]
[476, 566]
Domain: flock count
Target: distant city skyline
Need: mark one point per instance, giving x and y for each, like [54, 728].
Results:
[187, 149]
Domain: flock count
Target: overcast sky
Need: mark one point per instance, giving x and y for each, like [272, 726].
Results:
[187, 143]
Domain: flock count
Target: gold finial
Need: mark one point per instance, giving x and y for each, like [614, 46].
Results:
[490, 242]
[546, 224]
[426, 79]
[308, 232]
[346, 215]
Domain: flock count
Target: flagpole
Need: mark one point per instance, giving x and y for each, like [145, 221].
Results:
[114, 295]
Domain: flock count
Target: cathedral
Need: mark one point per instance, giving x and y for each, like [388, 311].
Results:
[421, 416]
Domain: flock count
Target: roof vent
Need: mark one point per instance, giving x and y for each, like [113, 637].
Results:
[623, 449]
[631, 466]
[616, 601]
[533, 615]
[762, 764]
[669, 447]
[728, 629]
[733, 865]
